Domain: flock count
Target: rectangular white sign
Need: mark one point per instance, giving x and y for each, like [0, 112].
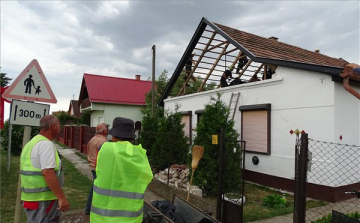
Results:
[27, 113]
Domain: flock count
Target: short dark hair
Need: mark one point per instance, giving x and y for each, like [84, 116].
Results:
[228, 73]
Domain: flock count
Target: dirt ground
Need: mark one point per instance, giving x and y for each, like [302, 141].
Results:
[75, 216]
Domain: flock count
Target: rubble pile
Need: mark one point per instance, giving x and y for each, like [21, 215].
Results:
[178, 177]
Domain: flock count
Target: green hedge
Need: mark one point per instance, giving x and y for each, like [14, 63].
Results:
[215, 117]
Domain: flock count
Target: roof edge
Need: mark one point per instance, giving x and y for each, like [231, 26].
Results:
[200, 29]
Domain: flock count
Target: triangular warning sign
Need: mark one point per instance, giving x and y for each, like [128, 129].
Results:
[31, 85]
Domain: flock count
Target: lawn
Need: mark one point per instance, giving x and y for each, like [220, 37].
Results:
[255, 210]
[76, 187]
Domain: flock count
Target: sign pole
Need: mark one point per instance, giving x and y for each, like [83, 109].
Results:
[9, 149]
[18, 207]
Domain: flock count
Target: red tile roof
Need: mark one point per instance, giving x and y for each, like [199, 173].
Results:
[272, 49]
[116, 90]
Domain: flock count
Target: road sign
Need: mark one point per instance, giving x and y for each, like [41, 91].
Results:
[31, 85]
[2, 100]
[27, 113]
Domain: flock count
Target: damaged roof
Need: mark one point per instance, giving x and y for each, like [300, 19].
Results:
[215, 47]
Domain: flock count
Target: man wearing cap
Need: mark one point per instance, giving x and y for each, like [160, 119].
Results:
[92, 152]
[224, 77]
[123, 173]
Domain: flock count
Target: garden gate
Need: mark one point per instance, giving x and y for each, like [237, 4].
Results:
[232, 208]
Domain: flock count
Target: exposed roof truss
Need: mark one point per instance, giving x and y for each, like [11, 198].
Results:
[212, 55]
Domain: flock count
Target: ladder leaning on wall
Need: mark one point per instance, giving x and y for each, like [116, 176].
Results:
[234, 99]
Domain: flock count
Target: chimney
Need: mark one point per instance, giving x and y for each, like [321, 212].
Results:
[317, 50]
[274, 38]
[137, 77]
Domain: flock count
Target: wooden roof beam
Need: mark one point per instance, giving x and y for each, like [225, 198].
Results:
[213, 67]
[244, 69]
[182, 90]
[216, 46]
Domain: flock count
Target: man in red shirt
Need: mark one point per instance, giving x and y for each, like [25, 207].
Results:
[92, 151]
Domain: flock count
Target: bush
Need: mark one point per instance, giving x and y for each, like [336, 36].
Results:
[215, 117]
[165, 140]
[16, 137]
[66, 119]
[163, 137]
[275, 201]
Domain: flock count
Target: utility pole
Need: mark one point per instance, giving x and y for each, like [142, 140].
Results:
[153, 82]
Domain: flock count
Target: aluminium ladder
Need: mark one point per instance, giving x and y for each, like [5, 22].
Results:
[234, 99]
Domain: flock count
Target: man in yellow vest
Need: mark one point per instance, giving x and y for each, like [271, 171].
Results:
[41, 175]
[123, 173]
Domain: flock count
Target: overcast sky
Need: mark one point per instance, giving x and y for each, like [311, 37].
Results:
[114, 38]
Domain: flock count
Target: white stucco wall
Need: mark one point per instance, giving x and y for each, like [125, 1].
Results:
[299, 99]
[111, 111]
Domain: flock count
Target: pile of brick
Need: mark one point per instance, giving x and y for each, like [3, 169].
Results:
[178, 177]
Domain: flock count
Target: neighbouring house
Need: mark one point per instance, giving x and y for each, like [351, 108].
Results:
[108, 97]
[281, 88]
[74, 109]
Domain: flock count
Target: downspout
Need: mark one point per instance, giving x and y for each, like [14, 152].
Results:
[352, 71]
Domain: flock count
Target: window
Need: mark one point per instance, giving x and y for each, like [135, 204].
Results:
[198, 113]
[255, 127]
[186, 119]
[100, 120]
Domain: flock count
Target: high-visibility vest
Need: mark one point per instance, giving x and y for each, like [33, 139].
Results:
[33, 184]
[122, 175]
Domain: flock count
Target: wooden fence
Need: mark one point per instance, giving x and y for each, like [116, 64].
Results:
[76, 136]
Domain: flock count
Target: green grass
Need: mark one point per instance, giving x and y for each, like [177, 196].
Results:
[255, 210]
[76, 187]
[82, 155]
[8, 187]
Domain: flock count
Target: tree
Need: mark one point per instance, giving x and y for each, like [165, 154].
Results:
[4, 81]
[16, 137]
[192, 87]
[214, 118]
[159, 131]
[66, 119]
[85, 118]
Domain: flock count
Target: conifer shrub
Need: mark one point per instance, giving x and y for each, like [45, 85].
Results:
[215, 117]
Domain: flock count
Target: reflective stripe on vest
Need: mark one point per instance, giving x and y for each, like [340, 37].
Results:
[118, 193]
[35, 190]
[33, 184]
[35, 173]
[116, 213]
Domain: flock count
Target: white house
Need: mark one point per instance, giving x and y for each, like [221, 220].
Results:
[106, 97]
[285, 88]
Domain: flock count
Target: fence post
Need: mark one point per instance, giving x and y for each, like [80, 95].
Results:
[72, 136]
[220, 174]
[301, 172]
[81, 138]
[65, 135]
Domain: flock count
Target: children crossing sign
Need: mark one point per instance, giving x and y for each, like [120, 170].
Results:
[31, 85]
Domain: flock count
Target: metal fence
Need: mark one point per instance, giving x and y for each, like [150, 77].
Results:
[334, 170]
[332, 174]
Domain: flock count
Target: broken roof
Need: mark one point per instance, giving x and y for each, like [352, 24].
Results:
[115, 90]
[215, 47]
